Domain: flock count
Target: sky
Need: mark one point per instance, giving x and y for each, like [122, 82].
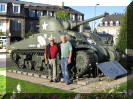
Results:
[87, 7]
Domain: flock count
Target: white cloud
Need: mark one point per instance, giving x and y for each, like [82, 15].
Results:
[85, 2]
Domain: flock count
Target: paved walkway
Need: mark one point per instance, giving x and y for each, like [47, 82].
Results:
[5, 60]
[95, 86]
[42, 81]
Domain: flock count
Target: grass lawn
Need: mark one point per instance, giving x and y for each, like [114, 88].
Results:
[8, 85]
[28, 87]
[2, 84]
[7, 68]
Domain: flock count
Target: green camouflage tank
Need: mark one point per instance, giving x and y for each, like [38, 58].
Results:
[88, 48]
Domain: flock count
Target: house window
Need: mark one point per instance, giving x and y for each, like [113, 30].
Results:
[117, 23]
[3, 7]
[2, 26]
[101, 23]
[106, 23]
[31, 24]
[45, 12]
[111, 23]
[79, 17]
[16, 25]
[32, 13]
[16, 8]
[72, 17]
[116, 40]
[39, 13]
[49, 13]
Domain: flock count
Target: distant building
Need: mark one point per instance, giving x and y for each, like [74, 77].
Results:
[19, 17]
[111, 25]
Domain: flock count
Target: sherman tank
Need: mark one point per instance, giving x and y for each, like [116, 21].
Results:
[88, 48]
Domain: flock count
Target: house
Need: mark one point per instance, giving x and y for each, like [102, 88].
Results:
[20, 17]
[111, 25]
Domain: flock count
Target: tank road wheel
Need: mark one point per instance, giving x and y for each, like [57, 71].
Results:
[28, 65]
[82, 62]
[37, 62]
[13, 56]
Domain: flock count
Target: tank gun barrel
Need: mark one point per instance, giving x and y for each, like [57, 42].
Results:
[88, 20]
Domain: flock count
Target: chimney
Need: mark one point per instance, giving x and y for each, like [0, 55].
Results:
[62, 5]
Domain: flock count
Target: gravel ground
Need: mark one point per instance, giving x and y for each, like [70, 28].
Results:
[95, 86]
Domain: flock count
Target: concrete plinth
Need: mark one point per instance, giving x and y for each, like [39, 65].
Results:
[36, 75]
[9, 71]
[25, 73]
[14, 71]
[19, 72]
[30, 74]
[44, 76]
[82, 82]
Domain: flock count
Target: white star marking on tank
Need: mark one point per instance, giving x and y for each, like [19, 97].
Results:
[44, 26]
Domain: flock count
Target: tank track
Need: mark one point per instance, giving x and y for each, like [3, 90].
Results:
[32, 60]
[86, 65]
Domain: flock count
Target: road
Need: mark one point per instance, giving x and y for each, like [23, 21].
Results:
[5, 60]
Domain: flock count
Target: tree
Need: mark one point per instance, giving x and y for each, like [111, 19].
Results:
[130, 26]
[62, 15]
[125, 38]
[122, 38]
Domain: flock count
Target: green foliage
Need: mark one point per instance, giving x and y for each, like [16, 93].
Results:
[62, 15]
[2, 84]
[87, 26]
[126, 31]
[28, 34]
[130, 26]
[1, 33]
[122, 38]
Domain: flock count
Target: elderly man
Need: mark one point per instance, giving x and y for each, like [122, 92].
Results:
[50, 57]
[66, 54]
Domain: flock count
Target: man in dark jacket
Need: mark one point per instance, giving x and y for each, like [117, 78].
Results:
[50, 58]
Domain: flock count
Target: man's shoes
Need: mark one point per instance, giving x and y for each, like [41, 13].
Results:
[51, 80]
[62, 82]
[67, 83]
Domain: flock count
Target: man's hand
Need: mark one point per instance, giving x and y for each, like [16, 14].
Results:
[69, 61]
[46, 62]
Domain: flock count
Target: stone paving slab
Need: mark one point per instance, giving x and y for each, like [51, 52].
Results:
[101, 85]
[98, 85]
[42, 81]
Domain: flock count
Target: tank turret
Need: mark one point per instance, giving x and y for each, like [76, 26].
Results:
[48, 23]
[73, 25]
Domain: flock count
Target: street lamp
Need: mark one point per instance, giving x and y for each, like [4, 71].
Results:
[95, 15]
